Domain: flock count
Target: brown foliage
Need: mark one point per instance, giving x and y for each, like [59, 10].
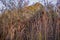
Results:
[31, 23]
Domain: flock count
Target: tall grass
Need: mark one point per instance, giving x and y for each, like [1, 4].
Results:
[29, 23]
